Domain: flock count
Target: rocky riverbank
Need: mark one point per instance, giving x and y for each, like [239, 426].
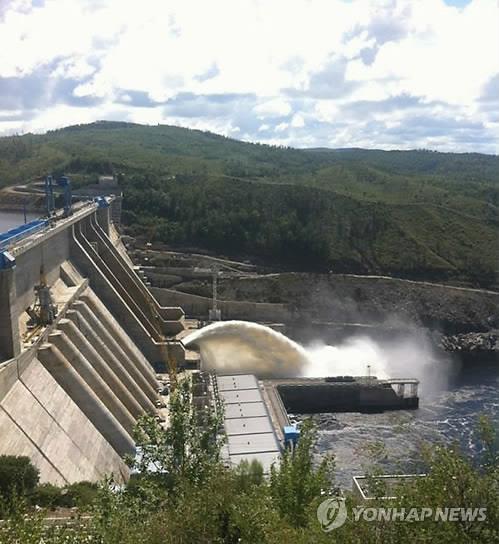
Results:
[364, 300]
[473, 343]
[463, 319]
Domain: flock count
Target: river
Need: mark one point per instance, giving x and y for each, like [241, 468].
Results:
[9, 220]
[448, 415]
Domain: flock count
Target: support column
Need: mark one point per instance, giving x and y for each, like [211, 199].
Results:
[86, 400]
[92, 379]
[114, 373]
[103, 218]
[141, 370]
[143, 393]
[107, 380]
[10, 342]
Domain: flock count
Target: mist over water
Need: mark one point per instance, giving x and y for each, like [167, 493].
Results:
[245, 347]
[451, 397]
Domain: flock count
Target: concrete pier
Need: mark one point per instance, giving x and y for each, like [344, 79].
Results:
[103, 366]
[343, 394]
[89, 403]
[136, 364]
[118, 360]
[86, 361]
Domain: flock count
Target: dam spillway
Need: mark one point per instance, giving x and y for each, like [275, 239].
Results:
[71, 390]
[257, 413]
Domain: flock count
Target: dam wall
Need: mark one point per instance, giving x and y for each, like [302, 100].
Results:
[198, 307]
[72, 388]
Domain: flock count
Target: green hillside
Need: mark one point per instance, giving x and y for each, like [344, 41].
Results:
[415, 214]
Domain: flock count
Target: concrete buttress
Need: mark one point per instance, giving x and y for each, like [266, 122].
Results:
[88, 402]
[107, 388]
[108, 374]
[118, 361]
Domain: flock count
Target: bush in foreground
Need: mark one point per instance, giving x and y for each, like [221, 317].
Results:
[184, 494]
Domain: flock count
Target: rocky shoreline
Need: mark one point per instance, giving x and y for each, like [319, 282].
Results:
[473, 343]
[458, 320]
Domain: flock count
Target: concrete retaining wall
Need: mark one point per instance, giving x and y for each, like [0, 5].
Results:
[48, 257]
[197, 306]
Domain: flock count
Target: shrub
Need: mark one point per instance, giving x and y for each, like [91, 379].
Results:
[80, 494]
[47, 496]
[18, 476]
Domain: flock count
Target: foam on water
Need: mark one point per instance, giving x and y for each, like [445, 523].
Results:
[450, 403]
[242, 346]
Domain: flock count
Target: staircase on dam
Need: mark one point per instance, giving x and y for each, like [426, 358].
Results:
[71, 390]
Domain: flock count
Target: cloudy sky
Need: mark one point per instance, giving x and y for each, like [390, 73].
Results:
[336, 73]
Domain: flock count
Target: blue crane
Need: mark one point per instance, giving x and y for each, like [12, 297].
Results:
[49, 196]
[65, 183]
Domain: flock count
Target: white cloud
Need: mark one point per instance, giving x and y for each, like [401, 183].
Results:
[281, 127]
[276, 107]
[310, 61]
[298, 121]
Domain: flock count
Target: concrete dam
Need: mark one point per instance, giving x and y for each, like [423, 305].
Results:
[72, 389]
[82, 340]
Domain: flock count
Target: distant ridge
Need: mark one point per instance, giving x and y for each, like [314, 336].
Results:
[417, 213]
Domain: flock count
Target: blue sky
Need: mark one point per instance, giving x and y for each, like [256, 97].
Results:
[392, 74]
[457, 3]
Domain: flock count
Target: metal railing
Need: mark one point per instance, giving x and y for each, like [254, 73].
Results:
[12, 236]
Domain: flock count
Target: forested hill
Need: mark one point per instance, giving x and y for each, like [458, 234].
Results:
[417, 214]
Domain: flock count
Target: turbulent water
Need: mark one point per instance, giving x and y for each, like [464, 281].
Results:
[447, 414]
[451, 396]
[242, 346]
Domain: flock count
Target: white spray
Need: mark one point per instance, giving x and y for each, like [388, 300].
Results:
[242, 346]
[245, 347]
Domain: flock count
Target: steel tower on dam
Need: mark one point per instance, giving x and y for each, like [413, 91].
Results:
[79, 337]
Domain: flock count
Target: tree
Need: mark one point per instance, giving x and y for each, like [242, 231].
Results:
[187, 450]
[295, 484]
[18, 476]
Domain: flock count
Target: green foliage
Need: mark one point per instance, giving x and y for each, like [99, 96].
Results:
[79, 494]
[490, 442]
[18, 476]
[296, 483]
[47, 496]
[248, 474]
[239, 505]
[415, 214]
[17, 527]
[187, 450]
[483, 272]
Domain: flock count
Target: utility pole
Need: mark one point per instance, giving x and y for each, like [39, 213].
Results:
[215, 314]
[49, 195]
